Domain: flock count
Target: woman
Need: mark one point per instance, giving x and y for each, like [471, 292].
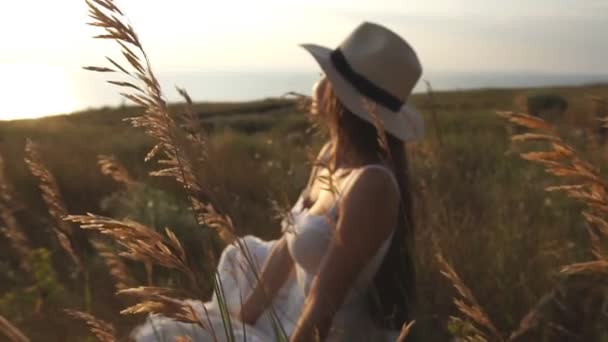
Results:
[343, 269]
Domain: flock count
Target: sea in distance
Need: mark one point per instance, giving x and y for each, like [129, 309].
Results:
[81, 90]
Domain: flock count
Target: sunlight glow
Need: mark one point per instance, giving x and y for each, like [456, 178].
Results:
[31, 91]
[41, 58]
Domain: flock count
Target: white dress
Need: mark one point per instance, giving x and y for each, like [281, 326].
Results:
[308, 238]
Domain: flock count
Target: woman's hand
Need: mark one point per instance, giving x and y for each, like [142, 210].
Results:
[252, 309]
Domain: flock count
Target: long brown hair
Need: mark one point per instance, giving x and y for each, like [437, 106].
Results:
[392, 294]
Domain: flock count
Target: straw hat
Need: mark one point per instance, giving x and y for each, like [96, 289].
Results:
[375, 64]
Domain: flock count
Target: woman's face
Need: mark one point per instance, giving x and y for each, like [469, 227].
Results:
[318, 91]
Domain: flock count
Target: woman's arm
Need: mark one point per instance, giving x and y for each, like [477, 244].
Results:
[275, 272]
[368, 213]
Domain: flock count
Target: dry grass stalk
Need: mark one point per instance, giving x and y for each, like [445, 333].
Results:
[15, 236]
[156, 121]
[405, 331]
[111, 167]
[48, 186]
[177, 153]
[590, 190]
[596, 246]
[11, 229]
[471, 333]
[434, 116]
[193, 125]
[102, 330]
[7, 193]
[155, 300]
[596, 230]
[11, 332]
[530, 321]
[221, 224]
[527, 121]
[141, 243]
[147, 291]
[168, 307]
[53, 200]
[468, 305]
[118, 269]
[589, 267]
[534, 137]
[561, 160]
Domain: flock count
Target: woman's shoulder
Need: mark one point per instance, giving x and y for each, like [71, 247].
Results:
[372, 188]
[378, 179]
[375, 177]
[369, 210]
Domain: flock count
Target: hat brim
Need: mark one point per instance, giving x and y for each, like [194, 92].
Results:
[406, 124]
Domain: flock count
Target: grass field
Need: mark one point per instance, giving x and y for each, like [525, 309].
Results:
[475, 200]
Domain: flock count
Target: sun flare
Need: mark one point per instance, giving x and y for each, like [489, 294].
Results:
[32, 91]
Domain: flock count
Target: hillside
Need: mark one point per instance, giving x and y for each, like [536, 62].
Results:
[475, 199]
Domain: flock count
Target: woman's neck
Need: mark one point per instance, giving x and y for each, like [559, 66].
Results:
[345, 157]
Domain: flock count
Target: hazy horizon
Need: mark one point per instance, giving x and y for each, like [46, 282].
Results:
[236, 86]
[49, 42]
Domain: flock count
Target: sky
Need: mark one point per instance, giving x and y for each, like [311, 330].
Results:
[45, 40]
